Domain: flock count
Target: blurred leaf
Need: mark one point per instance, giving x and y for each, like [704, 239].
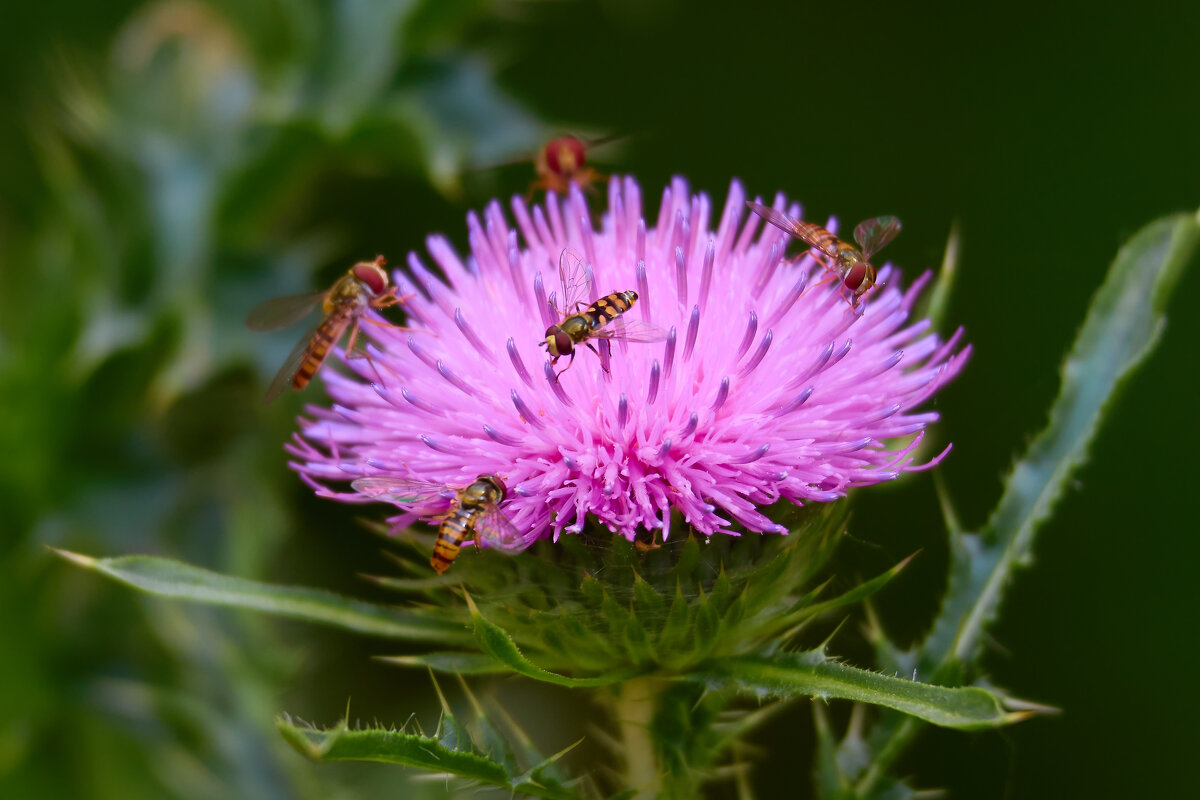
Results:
[168, 578]
[437, 24]
[939, 298]
[462, 116]
[815, 675]
[450, 663]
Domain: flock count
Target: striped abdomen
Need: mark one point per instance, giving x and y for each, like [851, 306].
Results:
[325, 337]
[608, 308]
[821, 239]
[453, 532]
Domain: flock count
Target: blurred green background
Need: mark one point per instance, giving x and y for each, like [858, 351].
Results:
[164, 166]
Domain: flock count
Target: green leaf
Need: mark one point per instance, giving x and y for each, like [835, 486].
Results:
[1125, 321]
[939, 299]
[391, 747]
[445, 755]
[828, 777]
[815, 675]
[493, 641]
[169, 578]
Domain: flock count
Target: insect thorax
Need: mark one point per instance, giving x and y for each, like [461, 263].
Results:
[347, 293]
[485, 489]
[577, 326]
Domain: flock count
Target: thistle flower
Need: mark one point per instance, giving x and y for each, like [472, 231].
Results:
[768, 386]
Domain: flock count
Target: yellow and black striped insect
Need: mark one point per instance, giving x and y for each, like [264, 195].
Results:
[470, 512]
[578, 326]
[852, 265]
[365, 285]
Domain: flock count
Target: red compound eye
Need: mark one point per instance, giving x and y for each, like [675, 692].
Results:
[564, 154]
[856, 276]
[371, 275]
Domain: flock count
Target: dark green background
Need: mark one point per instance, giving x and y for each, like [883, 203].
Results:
[1049, 132]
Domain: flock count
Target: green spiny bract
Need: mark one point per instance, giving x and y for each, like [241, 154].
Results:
[594, 604]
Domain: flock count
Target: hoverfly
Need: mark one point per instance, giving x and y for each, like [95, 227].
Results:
[472, 511]
[365, 285]
[851, 265]
[562, 160]
[578, 326]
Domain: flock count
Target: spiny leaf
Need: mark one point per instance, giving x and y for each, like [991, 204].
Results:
[169, 578]
[637, 643]
[814, 675]
[677, 617]
[423, 752]
[493, 641]
[1124, 323]
[722, 592]
[708, 624]
[392, 747]
[649, 602]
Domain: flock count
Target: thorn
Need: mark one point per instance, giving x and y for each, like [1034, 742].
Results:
[76, 558]
[470, 603]
[858, 721]
[470, 696]
[829, 638]
[564, 751]
[1029, 708]
[441, 697]
[401, 661]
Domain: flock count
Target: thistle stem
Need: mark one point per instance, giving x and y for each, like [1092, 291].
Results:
[634, 712]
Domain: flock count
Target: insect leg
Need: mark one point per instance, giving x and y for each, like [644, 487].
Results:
[567, 367]
[355, 348]
[832, 277]
[604, 357]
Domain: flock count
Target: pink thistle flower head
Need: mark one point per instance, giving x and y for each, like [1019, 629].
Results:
[765, 385]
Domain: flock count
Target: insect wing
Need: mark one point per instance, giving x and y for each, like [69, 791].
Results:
[420, 497]
[634, 330]
[333, 326]
[776, 218]
[804, 231]
[283, 378]
[495, 530]
[873, 234]
[279, 312]
[573, 277]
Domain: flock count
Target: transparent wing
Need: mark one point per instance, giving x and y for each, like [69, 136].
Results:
[495, 530]
[634, 330]
[812, 235]
[573, 278]
[283, 378]
[873, 234]
[279, 312]
[318, 343]
[603, 140]
[775, 217]
[420, 497]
